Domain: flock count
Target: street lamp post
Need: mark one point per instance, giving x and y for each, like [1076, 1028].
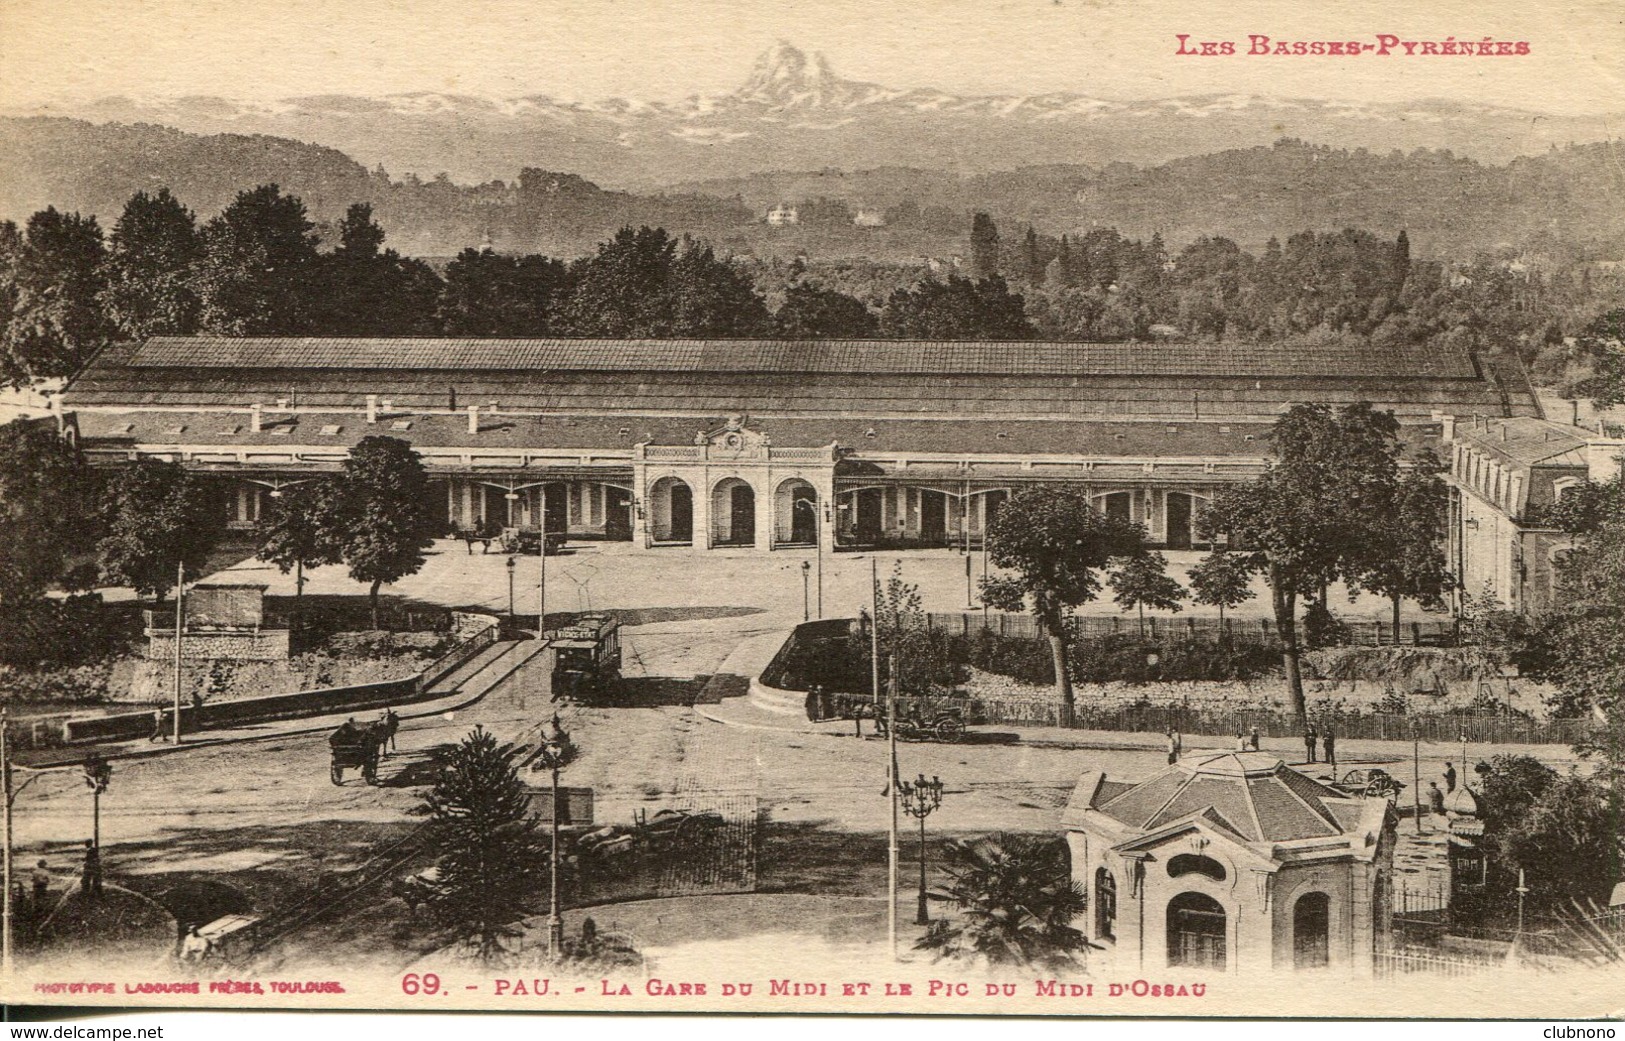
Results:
[511, 565]
[920, 798]
[98, 772]
[558, 751]
[806, 611]
[818, 548]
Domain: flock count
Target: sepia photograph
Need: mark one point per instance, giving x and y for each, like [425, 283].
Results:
[1018, 507]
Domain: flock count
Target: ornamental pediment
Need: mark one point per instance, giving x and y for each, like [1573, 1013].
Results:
[734, 440]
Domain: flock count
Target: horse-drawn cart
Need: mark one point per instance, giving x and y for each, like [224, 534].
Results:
[356, 748]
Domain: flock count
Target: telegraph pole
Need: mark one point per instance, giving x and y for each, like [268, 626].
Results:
[891, 792]
[180, 623]
[5, 770]
[874, 631]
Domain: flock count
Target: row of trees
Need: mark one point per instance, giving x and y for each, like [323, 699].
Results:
[1335, 505]
[1348, 284]
[258, 268]
[143, 522]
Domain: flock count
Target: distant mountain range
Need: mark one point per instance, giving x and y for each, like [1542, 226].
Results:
[914, 163]
[793, 113]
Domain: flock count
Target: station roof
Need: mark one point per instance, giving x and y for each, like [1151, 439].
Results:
[868, 381]
[1525, 441]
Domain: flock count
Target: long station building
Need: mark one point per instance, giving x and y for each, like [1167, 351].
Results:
[707, 444]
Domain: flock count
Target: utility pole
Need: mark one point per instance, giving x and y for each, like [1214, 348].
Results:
[541, 616]
[874, 631]
[180, 624]
[5, 770]
[1416, 772]
[818, 553]
[891, 792]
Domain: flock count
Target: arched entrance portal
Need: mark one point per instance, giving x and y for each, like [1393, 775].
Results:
[1105, 905]
[555, 506]
[1118, 506]
[673, 510]
[1196, 931]
[795, 507]
[1180, 517]
[1311, 923]
[733, 513]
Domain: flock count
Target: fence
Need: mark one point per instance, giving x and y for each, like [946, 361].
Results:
[1160, 629]
[1402, 963]
[1380, 726]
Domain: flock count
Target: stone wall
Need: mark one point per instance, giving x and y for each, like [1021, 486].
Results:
[264, 645]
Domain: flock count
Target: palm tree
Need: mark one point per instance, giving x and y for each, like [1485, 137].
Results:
[1016, 902]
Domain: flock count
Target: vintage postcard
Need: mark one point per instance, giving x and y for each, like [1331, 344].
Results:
[1063, 507]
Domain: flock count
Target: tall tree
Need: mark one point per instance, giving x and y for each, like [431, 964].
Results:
[485, 841]
[1602, 343]
[303, 528]
[957, 309]
[813, 313]
[54, 272]
[367, 290]
[1404, 556]
[46, 508]
[1305, 521]
[149, 288]
[1222, 579]
[1055, 543]
[156, 517]
[984, 246]
[493, 294]
[1016, 901]
[644, 283]
[383, 515]
[1143, 581]
[1032, 258]
[258, 273]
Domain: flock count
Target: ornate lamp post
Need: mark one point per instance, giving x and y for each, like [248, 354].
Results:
[558, 751]
[511, 565]
[98, 772]
[806, 610]
[920, 798]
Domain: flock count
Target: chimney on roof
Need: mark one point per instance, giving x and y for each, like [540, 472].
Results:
[372, 408]
[255, 417]
[473, 419]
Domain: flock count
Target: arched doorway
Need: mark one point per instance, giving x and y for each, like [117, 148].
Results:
[1119, 506]
[1196, 931]
[1179, 515]
[733, 513]
[555, 506]
[673, 510]
[1311, 924]
[1105, 905]
[795, 507]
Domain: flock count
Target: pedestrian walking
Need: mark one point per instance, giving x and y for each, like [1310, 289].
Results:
[392, 724]
[1241, 741]
[1435, 798]
[1449, 778]
[1309, 736]
[159, 731]
[1330, 742]
[1179, 744]
[1253, 738]
[195, 947]
[90, 879]
[1173, 748]
[42, 885]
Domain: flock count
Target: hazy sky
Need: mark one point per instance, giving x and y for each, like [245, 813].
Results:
[665, 49]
